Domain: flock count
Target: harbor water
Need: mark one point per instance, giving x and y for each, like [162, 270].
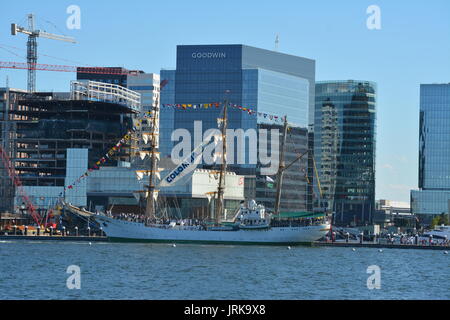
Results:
[38, 270]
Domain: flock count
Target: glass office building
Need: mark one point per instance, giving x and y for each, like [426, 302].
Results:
[270, 83]
[344, 150]
[433, 198]
[294, 189]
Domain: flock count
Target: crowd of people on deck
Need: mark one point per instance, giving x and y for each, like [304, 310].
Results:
[296, 222]
[131, 217]
[140, 218]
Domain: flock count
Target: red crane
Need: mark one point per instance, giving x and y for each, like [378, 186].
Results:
[50, 67]
[19, 187]
[63, 68]
[45, 67]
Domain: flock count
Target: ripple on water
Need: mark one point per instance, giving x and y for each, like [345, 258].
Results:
[157, 271]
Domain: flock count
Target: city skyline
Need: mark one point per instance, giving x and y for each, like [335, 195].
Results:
[397, 57]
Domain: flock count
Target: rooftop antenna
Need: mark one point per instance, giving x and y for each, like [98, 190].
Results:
[7, 81]
[277, 42]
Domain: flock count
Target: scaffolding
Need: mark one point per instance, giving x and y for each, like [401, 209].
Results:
[106, 92]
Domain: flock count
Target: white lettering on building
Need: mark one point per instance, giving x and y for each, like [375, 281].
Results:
[209, 55]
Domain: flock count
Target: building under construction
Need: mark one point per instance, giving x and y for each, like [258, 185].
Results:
[45, 133]
[8, 100]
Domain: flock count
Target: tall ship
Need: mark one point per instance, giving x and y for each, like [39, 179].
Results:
[251, 222]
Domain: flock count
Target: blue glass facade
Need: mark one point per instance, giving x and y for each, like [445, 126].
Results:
[265, 81]
[434, 151]
[284, 93]
[167, 115]
[344, 149]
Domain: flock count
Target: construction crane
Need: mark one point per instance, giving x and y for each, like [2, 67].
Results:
[17, 183]
[33, 34]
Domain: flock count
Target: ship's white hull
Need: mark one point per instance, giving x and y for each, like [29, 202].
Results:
[119, 230]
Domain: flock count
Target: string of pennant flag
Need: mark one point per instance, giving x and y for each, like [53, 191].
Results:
[111, 152]
[250, 111]
[147, 115]
[141, 117]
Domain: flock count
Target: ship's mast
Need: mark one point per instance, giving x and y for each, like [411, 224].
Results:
[150, 208]
[223, 166]
[281, 167]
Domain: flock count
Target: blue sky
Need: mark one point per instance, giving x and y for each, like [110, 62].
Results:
[411, 48]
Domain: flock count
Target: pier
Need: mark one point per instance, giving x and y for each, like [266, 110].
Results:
[54, 238]
[379, 245]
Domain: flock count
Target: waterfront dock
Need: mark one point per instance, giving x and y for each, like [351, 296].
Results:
[316, 243]
[379, 245]
[54, 238]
